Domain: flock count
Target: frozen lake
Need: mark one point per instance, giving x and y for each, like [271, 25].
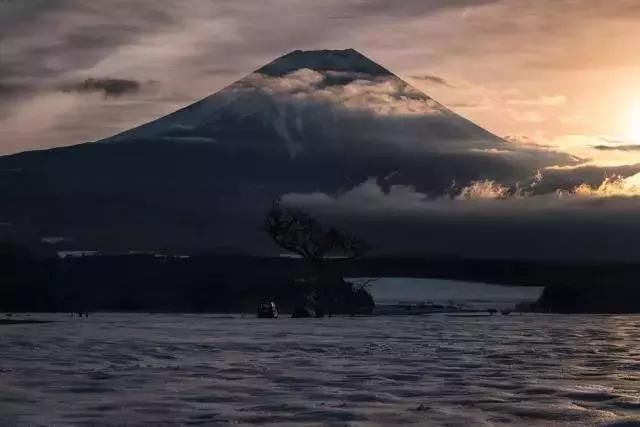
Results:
[432, 370]
[390, 290]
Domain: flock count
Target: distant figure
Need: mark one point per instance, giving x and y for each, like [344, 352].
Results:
[492, 311]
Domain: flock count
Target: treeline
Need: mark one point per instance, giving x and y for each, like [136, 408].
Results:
[26, 283]
[149, 283]
[240, 283]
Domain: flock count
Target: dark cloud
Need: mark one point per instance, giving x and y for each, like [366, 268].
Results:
[412, 8]
[628, 147]
[609, 140]
[106, 86]
[45, 40]
[81, 34]
[432, 79]
[8, 89]
[464, 105]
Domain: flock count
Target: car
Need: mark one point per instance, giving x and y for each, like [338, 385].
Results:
[268, 310]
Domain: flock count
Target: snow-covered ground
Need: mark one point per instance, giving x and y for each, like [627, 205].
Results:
[432, 370]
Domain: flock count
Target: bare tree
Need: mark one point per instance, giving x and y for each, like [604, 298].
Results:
[298, 232]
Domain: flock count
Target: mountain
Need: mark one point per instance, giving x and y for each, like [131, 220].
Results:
[201, 178]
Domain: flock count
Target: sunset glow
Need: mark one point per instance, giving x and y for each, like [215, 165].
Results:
[634, 123]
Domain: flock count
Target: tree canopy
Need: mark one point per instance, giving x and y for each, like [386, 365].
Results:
[298, 232]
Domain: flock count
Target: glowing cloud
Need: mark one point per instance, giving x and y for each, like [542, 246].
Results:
[379, 95]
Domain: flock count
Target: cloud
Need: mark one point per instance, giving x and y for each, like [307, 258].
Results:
[380, 95]
[489, 219]
[486, 189]
[432, 79]
[411, 8]
[467, 105]
[106, 86]
[597, 149]
[12, 89]
[627, 147]
[57, 118]
[542, 101]
[525, 140]
[83, 35]
[569, 178]
[53, 240]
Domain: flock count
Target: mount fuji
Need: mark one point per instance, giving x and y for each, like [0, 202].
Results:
[201, 178]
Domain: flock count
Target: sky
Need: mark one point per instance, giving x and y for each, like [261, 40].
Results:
[557, 79]
[562, 73]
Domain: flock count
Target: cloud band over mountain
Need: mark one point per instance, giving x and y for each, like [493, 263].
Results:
[487, 219]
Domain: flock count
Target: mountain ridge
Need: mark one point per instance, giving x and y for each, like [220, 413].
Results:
[337, 68]
[324, 60]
